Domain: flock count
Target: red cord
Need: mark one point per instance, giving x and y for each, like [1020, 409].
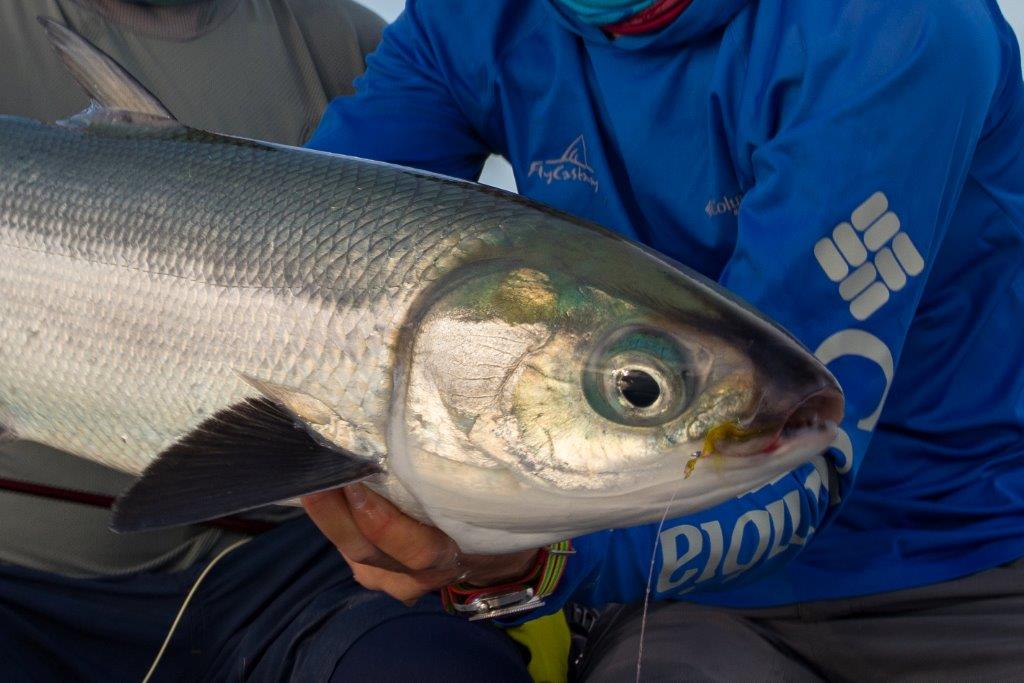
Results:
[229, 523]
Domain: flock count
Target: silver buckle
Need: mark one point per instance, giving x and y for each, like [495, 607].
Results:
[500, 604]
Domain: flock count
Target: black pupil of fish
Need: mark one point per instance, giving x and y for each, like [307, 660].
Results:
[638, 388]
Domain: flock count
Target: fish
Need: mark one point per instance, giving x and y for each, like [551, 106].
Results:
[241, 323]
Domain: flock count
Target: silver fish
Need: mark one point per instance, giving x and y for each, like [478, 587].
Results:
[242, 323]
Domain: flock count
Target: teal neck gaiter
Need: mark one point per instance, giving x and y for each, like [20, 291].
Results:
[603, 12]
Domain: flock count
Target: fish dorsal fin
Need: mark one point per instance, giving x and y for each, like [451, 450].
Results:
[115, 94]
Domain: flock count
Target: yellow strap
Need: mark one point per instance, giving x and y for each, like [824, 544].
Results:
[547, 639]
[554, 568]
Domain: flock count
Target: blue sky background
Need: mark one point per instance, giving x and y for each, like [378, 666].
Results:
[498, 173]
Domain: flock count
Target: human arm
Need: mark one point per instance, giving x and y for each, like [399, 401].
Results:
[860, 118]
[339, 35]
[407, 110]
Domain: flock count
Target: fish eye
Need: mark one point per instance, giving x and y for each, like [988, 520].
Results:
[639, 377]
[637, 387]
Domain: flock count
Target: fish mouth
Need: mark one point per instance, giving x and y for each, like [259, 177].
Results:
[819, 411]
[813, 419]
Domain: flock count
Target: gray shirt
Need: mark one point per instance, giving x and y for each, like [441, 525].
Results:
[262, 69]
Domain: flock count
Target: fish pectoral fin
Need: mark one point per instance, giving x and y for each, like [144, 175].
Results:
[116, 95]
[246, 456]
[309, 409]
[317, 416]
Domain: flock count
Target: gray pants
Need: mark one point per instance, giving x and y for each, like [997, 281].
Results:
[970, 629]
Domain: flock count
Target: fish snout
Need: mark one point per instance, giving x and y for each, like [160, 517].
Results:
[813, 417]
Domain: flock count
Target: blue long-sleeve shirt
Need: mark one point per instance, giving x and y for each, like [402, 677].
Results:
[853, 169]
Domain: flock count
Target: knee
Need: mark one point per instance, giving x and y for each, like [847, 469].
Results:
[681, 641]
[432, 647]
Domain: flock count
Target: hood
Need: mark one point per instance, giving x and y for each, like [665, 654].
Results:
[699, 19]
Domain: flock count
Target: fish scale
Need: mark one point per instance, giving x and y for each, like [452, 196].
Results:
[200, 257]
[243, 323]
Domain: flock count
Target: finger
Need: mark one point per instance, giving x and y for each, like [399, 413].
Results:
[330, 512]
[402, 587]
[416, 545]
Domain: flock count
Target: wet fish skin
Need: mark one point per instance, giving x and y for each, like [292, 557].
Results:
[153, 277]
[129, 246]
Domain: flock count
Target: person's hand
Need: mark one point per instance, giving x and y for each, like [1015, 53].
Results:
[394, 553]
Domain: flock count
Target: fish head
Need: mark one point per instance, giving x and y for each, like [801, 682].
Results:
[566, 395]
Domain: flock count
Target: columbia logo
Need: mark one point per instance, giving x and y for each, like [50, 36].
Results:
[868, 247]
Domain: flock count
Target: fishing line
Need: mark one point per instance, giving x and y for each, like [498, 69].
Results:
[184, 605]
[650, 579]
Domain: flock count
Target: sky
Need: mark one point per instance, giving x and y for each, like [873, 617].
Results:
[498, 173]
[1013, 10]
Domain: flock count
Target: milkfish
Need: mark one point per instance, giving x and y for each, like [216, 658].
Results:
[242, 323]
